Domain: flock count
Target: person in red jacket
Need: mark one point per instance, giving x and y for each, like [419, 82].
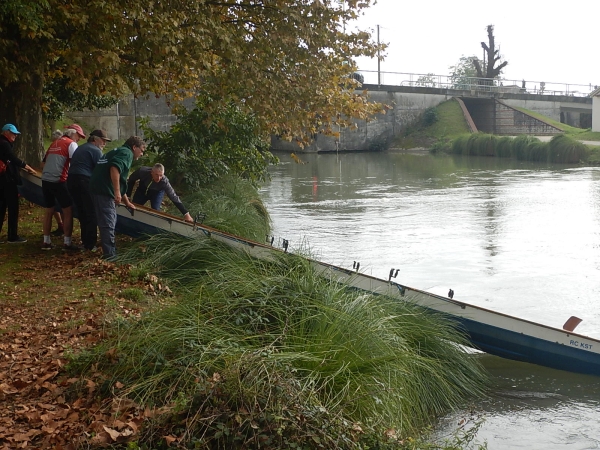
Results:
[54, 184]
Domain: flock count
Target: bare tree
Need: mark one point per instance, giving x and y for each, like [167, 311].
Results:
[489, 70]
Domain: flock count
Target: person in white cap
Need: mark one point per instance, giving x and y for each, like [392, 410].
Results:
[9, 180]
[54, 184]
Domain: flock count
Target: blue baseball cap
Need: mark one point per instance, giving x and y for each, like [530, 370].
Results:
[10, 127]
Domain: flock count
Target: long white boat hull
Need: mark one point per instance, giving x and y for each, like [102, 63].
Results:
[492, 332]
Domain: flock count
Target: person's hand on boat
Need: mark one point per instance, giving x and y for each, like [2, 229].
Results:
[188, 218]
[30, 169]
[128, 203]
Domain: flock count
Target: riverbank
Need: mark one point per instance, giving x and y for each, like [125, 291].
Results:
[58, 307]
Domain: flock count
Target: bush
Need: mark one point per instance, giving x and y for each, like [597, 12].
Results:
[564, 149]
[203, 147]
[430, 116]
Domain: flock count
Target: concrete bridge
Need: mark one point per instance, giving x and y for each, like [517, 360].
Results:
[489, 106]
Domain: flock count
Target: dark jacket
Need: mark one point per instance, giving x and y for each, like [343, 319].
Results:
[148, 189]
[12, 175]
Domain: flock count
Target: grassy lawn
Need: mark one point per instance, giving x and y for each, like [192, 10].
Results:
[451, 123]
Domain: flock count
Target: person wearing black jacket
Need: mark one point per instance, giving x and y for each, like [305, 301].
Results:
[153, 185]
[9, 180]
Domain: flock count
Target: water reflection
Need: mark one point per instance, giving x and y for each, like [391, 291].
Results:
[515, 237]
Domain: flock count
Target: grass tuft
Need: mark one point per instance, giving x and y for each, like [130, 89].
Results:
[274, 344]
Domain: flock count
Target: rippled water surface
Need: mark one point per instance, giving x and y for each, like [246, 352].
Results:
[519, 238]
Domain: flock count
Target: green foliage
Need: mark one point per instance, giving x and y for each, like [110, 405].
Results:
[482, 144]
[459, 145]
[441, 146]
[233, 205]
[521, 146]
[268, 354]
[462, 74]
[430, 116]
[380, 143]
[202, 147]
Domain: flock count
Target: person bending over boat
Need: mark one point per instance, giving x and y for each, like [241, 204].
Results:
[153, 184]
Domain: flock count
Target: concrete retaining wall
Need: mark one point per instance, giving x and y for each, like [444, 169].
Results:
[121, 120]
[405, 109]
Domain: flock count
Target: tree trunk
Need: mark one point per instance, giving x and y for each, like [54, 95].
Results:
[22, 106]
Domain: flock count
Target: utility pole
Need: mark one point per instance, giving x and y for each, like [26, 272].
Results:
[378, 59]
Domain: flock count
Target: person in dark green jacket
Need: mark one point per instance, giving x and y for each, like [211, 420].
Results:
[108, 186]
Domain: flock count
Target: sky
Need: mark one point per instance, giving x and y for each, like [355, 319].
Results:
[553, 42]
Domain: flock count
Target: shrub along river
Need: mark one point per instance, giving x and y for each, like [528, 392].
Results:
[516, 237]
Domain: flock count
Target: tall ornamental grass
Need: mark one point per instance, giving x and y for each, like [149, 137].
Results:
[281, 357]
[561, 149]
[564, 149]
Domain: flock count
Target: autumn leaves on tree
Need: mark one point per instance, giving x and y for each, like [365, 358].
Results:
[287, 61]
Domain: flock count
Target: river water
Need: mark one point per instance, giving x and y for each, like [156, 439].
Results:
[516, 237]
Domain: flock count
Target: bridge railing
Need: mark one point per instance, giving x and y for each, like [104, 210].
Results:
[501, 85]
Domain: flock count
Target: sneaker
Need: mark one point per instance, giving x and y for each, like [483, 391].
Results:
[17, 240]
[94, 249]
[72, 248]
[46, 246]
[58, 232]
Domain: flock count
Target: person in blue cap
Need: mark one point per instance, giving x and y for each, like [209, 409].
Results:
[9, 180]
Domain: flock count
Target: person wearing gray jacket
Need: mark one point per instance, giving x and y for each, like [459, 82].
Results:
[153, 185]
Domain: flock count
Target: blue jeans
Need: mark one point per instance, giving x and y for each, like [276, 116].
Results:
[155, 197]
[106, 216]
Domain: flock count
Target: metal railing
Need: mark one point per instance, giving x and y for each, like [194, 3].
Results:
[500, 85]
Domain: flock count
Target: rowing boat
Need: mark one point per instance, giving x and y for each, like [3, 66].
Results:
[489, 331]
